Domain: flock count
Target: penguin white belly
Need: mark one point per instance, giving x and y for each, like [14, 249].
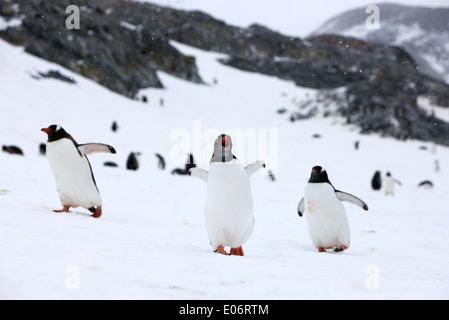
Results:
[229, 208]
[325, 216]
[389, 186]
[73, 176]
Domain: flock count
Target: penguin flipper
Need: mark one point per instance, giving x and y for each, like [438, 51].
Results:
[301, 207]
[254, 166]
[199, 173]
[344, 196]
[89, 148]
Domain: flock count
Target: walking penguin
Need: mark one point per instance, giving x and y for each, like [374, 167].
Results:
[228, 214]
[325, 215]
[72, 171]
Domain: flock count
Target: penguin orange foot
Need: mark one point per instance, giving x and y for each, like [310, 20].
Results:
[237, 251]
[64, 209]
[97, 213]
[221, 250]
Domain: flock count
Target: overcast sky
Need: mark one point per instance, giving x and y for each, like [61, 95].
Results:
[291, 17]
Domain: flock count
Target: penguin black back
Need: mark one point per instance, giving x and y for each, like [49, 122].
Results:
[161, 161]
[12, 150]
[376, 181]
[190, 163]
[132, 163]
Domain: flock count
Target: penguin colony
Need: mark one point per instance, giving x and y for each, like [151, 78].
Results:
[229, 217]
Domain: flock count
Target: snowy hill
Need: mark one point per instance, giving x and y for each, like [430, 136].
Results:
[151, 241]
[125, 46]
[422, 31]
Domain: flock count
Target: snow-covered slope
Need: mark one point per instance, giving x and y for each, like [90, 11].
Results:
[151, 241]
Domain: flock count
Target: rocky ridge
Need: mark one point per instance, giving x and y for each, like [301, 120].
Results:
[122, 45]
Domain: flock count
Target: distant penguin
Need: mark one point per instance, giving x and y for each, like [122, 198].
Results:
[189, 165]
[43, 149]
[228, 214]
[12, 150]
[110, 164]
[132, 163]
[114, 126]
[433, 148]
[376, 181]
[389, 184]
[72, 171]
[356, 145]
[271, 175]
[437, 166]
[325, 215]
[161, 161]
[426, 184]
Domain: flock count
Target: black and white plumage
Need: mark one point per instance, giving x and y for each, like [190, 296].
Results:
[389, 184]
[228, 214]
[72, 171]
[325, 215]
[189, 165]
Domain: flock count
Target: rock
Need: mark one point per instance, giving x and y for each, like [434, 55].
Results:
[55, 74]
[121, 50]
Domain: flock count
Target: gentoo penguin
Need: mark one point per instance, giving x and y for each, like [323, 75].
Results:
[132, 163]
[376, 181]
[437, 166]
[42, 149]
[189, 165]
[72, 171]
[389, 184]
[161, 161]
[325, 215]
[114, 126]
[426, 184]
[12, 150]
[228, 214]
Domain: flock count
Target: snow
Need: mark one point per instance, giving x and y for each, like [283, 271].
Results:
[439, 112]
[151, 241]
[4, 24]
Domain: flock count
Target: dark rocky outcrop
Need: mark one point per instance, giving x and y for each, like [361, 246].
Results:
[117, 44]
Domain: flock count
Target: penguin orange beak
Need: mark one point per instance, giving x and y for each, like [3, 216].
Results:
[45, 130]
[225, 142]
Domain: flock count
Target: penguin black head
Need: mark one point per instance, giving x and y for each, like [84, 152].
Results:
[222, 149]
[319, 175]
[55, 132]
